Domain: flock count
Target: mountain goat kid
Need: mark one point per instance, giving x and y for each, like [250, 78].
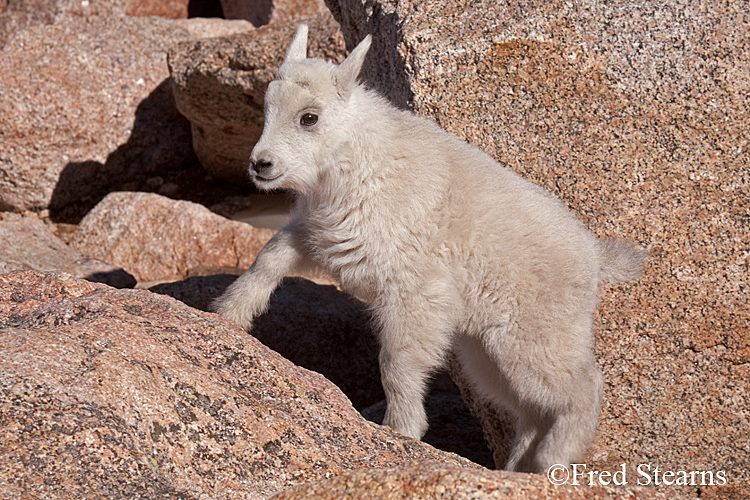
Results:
[451, 251]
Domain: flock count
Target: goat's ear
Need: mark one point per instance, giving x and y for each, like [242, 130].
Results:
[297, 50]
[345, 75]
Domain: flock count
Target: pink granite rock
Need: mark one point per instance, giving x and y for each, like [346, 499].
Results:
[124, 393]
[46, 12]
[635, 115]
[170, 9]
[210, 27]
[19, 14]
[219, 85]
[314, 326]
[27, 243]
[433, 481]
[107, 115]
[156, 238]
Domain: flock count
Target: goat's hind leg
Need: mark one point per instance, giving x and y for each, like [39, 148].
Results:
[556, 418]
[413, 345]
[489, 385]
[574, 424]
[530, 429]
[556, 412]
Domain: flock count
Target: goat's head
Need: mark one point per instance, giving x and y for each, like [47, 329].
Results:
[305, 111]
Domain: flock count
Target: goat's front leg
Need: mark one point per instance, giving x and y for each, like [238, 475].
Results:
[414, 341]
[248, 297]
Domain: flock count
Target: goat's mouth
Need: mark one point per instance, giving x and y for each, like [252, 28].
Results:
[265, 175]
[262, 180]
[266, 179]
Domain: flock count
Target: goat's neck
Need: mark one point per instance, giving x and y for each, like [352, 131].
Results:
[357, 171]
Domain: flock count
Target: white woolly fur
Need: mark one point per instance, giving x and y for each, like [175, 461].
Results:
[451, 250]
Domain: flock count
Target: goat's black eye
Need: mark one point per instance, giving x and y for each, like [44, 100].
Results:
[308, 120]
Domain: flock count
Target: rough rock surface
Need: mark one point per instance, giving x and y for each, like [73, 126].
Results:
[108, 115]
[219, 85]
[41, 12]
[431, 480]
[322, 329]
[156, 238]
[314, 326]
[17, 15]
[202, 27]
[27, 243]
[636, 115]
[170, 9]
[262, 12]
[125, 393]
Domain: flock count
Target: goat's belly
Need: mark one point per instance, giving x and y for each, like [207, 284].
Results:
[356, 282]
[363, 289]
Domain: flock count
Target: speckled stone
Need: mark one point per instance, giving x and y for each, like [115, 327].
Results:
[28, 243]
[110, 393]
[170, 9]
[636, 115]
[18, 15]
[87, 106]
[433, 481]
[156, 238]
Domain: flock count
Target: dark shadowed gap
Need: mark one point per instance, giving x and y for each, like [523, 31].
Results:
[157, 157]
[258, 12]
[205, 8]
[385, 73]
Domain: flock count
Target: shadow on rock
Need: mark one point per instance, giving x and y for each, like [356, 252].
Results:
[325, 330]
[385, 73]
[117, 278]
[314, 326]
[160, 141]
[452, 427]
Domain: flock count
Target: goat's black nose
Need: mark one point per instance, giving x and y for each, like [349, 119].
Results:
[261, 166]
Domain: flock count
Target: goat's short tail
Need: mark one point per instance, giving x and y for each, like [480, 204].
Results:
[620, 260]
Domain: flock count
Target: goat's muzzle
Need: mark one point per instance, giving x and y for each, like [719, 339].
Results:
[261, 167]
